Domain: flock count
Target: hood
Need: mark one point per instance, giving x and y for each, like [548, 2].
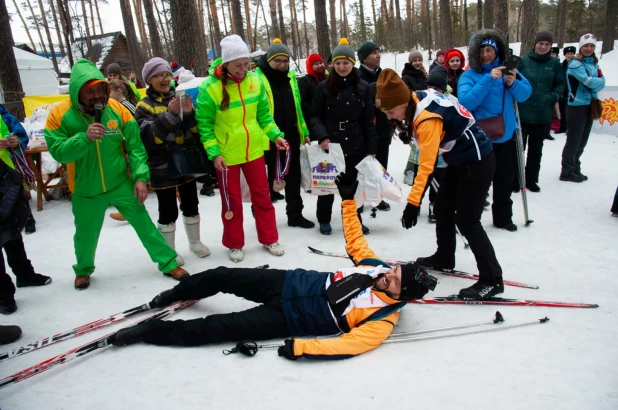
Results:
[453, 52]
[474, 48]
[214, 65]
[408, 69]
[82, 72]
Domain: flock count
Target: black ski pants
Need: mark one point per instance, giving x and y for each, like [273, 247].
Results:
[18, 262]
[533, 135]
[262, 322]
[325, 202]
[460, 201]
[168, 203]
[293, 199]
[579, 126]
[503, 181]
[433, 183]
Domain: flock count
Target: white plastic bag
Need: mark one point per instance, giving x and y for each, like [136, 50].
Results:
[325, 166]
[244, 189]
[375, 184]
[305, 169]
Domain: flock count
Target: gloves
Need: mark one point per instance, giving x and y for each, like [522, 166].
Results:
[346, 186]
[287, 350]
[404, 137]
[410, 214]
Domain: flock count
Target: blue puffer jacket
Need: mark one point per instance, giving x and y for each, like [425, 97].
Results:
[583, 81]
[482, 96]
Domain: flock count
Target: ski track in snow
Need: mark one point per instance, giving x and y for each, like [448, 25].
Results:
[568, 363]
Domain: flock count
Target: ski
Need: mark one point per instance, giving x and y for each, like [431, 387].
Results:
[97, 344]
[446, 272]
[456, 300]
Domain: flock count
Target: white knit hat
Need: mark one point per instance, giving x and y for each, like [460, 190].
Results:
[587, 39]
[233, 47]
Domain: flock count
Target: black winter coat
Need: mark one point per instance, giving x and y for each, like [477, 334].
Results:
[346, 118]
[307, 86]
[159, 130]
[382, 124]
[414, 79]
[453, 79]
[435, 64]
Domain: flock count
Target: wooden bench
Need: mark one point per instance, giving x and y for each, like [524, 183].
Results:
[35, 161]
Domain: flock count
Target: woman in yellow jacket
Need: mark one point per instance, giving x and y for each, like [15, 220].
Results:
[233, 117]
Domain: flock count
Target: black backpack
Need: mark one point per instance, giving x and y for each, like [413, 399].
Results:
[14, 207]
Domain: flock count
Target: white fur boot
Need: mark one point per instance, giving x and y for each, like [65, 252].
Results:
[169, 234]
[192, 226]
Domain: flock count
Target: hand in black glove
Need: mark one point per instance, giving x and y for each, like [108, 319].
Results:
[346, 185]
[287, 350]
[410, 214]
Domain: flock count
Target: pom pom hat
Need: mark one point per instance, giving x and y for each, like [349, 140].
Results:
[277, 49]
[343, 50]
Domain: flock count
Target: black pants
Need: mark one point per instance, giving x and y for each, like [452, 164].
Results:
[563, 112]
[460, 201]
[168, 205]
[504, 179]
[19, 264]
[614, 209]
[262, 322]
[533, 135]
[325, 202]
[383, 148]
[293, 199]
[433, 183]
[578, 130]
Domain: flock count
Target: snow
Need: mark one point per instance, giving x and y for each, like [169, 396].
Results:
[77, 50]
[568, 363]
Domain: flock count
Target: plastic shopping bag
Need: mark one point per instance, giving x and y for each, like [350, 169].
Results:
[325, 166]
[305, 169]
[375, 184]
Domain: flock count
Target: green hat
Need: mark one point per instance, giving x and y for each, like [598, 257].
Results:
[343, 50]
[365, 49]
[277, 49]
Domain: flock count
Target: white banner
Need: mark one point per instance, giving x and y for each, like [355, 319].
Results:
[608, 123]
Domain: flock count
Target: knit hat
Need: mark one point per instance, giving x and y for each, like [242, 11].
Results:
[114, 68]
[453, 52]
[438, 77]
[343, 50]
[440, 53]
[232, 48]
[414, 53]
[155, 66]
[569, 49]
[415, 282]
[391, 91]
[544, 35]
[175, 66]
[587, 39]
[310, 61]
[277, 48]
[365, 49]
[491, 43]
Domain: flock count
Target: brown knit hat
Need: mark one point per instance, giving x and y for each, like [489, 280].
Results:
[391, 91]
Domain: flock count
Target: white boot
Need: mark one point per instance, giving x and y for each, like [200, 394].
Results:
[275, 248]
[169, 234]
[192, 227]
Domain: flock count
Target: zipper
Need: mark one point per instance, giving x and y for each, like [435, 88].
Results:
[98, 156]
[244, 116]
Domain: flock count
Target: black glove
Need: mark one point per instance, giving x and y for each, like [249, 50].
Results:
[404, 137]
[287, 350]
[410, 214]
[346, 186]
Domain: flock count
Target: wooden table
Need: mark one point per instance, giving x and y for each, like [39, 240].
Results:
[43, 186]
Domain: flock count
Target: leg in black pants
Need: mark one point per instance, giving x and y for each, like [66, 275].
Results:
[535, 134]
[269, 158]
[578, 130]
[293, 200]
[502, 207]
[18, 262]
[259, 323]
[168, 204]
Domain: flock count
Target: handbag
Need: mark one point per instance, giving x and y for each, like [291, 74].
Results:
[186, 161]
[596, 109]
[494, 126]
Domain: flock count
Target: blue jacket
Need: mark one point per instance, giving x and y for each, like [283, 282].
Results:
[482, 95]
[583, 81]
[15, 126]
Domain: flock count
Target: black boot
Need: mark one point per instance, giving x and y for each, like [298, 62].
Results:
[7, 305]
[300, 222]
[207, 190]
[30, 225]
[35, 280]
[164, 299]
[482, 290]
[437, 262]
[129, 335]
[510, 226]
[9, 334]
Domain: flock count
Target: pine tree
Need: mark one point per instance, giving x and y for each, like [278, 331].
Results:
[9, 73]
[189, 43]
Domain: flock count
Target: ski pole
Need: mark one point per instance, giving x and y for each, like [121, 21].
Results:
[466, 244]
[520, 166]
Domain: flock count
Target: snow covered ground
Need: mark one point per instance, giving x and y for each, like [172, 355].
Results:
[568, 363]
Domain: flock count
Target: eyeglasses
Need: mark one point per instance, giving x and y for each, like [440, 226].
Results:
[281, 62]
[163, 76]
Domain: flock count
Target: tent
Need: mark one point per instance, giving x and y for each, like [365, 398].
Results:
[37, 74]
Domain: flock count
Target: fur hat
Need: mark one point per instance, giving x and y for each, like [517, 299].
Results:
[414, 53]
[114, 68]
[544, 35]
[554, 50]
[343, 50]
[365, 49]
[391, 91]
[587, 39]
[569, 49]
[232, 48]
[277, 48]
[438, 77]
[155, 66]
[476, 42]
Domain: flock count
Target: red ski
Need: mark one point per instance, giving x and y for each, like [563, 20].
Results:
[456, 300]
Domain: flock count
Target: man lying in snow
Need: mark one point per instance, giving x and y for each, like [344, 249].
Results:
[361, 303]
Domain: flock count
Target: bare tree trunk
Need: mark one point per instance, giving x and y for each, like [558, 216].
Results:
[163, 34]
[66, 29]
[363, 27]
[409, 24]
[305, 27]
[9, 73]
[610, 26]
[38, 29]
[261, 3]
[94, 27]
[137, 60]
[282, 31]
[237, 24]
[375, 21]
[501, 15]
[333, 24]
[155, 40]
[298, 45]
[466, 26]
[489, 13]
[139, 15]
[426, 25]
[446, 30]
[249, 32]
[85, 20]
[321, 28]
[58, 33]
[68, 19]
[519, 23]
[96, 6]
[530, 24]
[479, 14]
[49, 38]
[272, 8]
[434, 23]
[214, 22]
[211, 33]
[295, 43]
[190, 49]
[561, 15]
[224, 19]
[25, 28]
[398, 25]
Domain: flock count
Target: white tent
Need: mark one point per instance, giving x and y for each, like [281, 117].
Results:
[37, 74]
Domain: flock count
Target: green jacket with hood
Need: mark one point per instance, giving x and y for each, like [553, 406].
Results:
[238, 134]
[99, 166]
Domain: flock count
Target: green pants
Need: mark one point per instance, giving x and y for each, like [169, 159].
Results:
[89, 213]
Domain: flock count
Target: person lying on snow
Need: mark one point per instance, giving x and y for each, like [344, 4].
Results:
[361, 303]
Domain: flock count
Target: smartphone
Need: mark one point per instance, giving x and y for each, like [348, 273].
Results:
[511, 63]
